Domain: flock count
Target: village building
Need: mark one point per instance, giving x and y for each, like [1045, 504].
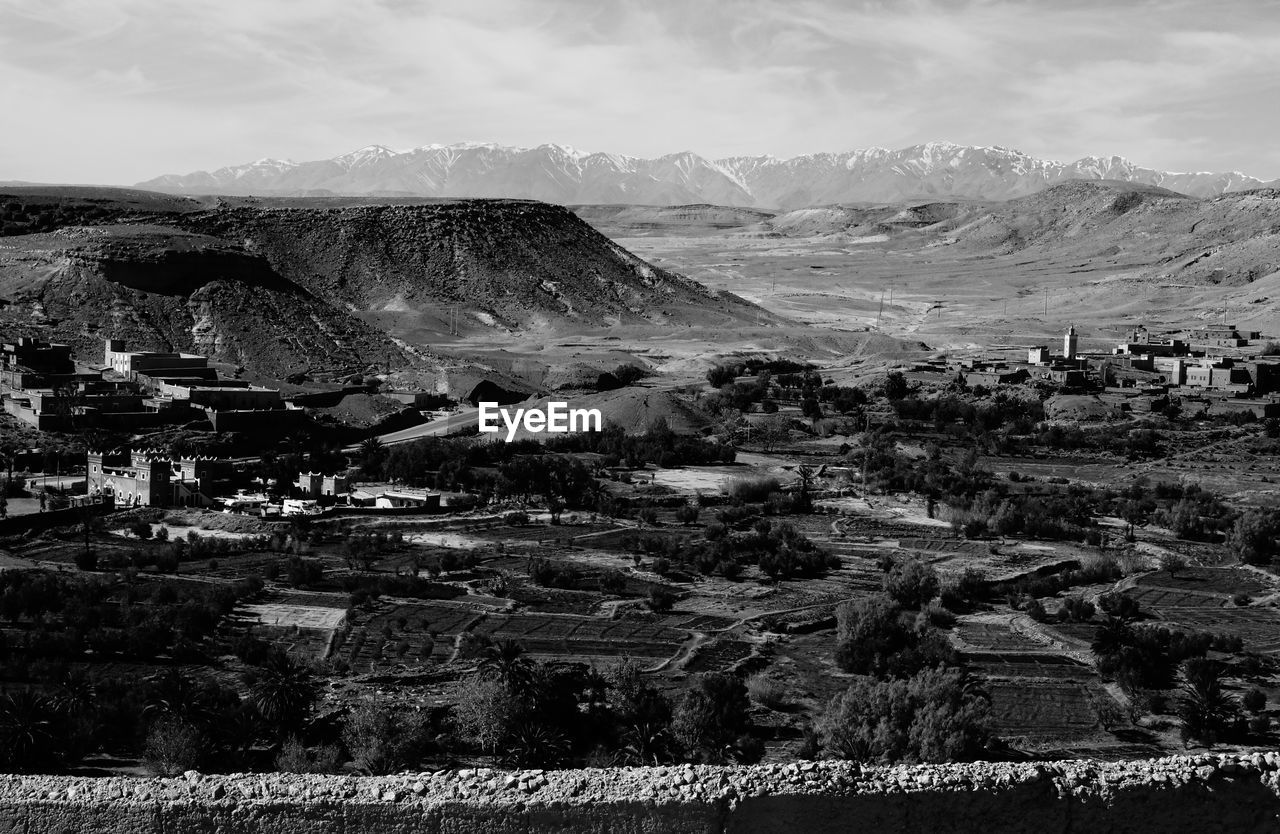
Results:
[130, 363]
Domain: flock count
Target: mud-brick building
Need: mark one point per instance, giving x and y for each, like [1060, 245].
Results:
[140, 478]
[151, 478]
[130, 363]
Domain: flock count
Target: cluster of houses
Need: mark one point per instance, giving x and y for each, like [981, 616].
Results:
[1218, 366]
[42, 385]
[155, 478]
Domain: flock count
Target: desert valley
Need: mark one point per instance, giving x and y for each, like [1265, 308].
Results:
[1007, 458]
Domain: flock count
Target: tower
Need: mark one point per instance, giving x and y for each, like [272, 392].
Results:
[1069, 343]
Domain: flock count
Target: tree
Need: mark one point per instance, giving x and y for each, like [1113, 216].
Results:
[382, 741]
[373, 456]
[283, 691]
[29, 725]
[710, 716]
[173, 746]
[1206, 710]
[485, 713]
[507, 662]
[721, 375]
[911, 583]
[1253, 537]
[895, 386]
[875, 638]
[772, 430]
[934, 716]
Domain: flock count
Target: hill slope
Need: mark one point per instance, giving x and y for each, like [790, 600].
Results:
[162, 288]
[338, 279]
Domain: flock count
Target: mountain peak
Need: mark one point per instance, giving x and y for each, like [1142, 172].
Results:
[563, 174]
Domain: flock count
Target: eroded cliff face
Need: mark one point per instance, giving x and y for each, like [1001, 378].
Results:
[1196, 794]
[161, 288]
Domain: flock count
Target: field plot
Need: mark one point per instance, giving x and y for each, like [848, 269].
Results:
[302, 616]
[1043, 710]
[1258, 627]
[1224, 580]
[1160, 598]
[718, 656]
[566, 636]
[1019, 665]
[979, 636]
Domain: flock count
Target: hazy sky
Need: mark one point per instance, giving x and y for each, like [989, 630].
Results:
[116, 91]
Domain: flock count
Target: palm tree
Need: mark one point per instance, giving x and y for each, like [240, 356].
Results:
[372, 453]
[283, 692]
[28, 731]
[506, 661]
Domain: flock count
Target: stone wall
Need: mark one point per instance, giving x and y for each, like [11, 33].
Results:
[1195, 794]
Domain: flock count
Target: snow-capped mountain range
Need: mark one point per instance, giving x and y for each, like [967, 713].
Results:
[559, 174]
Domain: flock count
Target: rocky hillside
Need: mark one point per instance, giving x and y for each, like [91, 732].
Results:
[1230, 240]
[931, 171]
[166, 289]
[291, 283]
[505, 265]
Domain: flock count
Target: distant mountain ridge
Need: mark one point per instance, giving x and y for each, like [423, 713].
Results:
[559, 174]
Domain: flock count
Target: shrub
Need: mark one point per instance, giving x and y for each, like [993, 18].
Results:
[87, 560]
[613, 582]
[688, 514]
[382, 741]
[516, 519]
[1255, 700]
[753, 488]
[294, 757]
[660, 600]
[768, 692]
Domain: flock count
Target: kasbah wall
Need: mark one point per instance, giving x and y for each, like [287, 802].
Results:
[1238, 794]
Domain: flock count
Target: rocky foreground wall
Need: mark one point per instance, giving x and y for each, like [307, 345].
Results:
[1194, 794]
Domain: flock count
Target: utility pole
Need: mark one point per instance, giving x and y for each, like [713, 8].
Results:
[1046, 303]
[880, 313]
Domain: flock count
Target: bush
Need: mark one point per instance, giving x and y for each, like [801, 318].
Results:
[1255, 700]
[768, 692]
[754, 488]
[613, 582]
[382, 741]
[87, 560]
[660, 600]
[294, 757]
[516, 519]
[688, 514]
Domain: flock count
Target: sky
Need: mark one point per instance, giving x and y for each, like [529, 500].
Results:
[119, 91]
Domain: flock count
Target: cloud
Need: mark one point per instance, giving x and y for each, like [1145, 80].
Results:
[122, 90]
